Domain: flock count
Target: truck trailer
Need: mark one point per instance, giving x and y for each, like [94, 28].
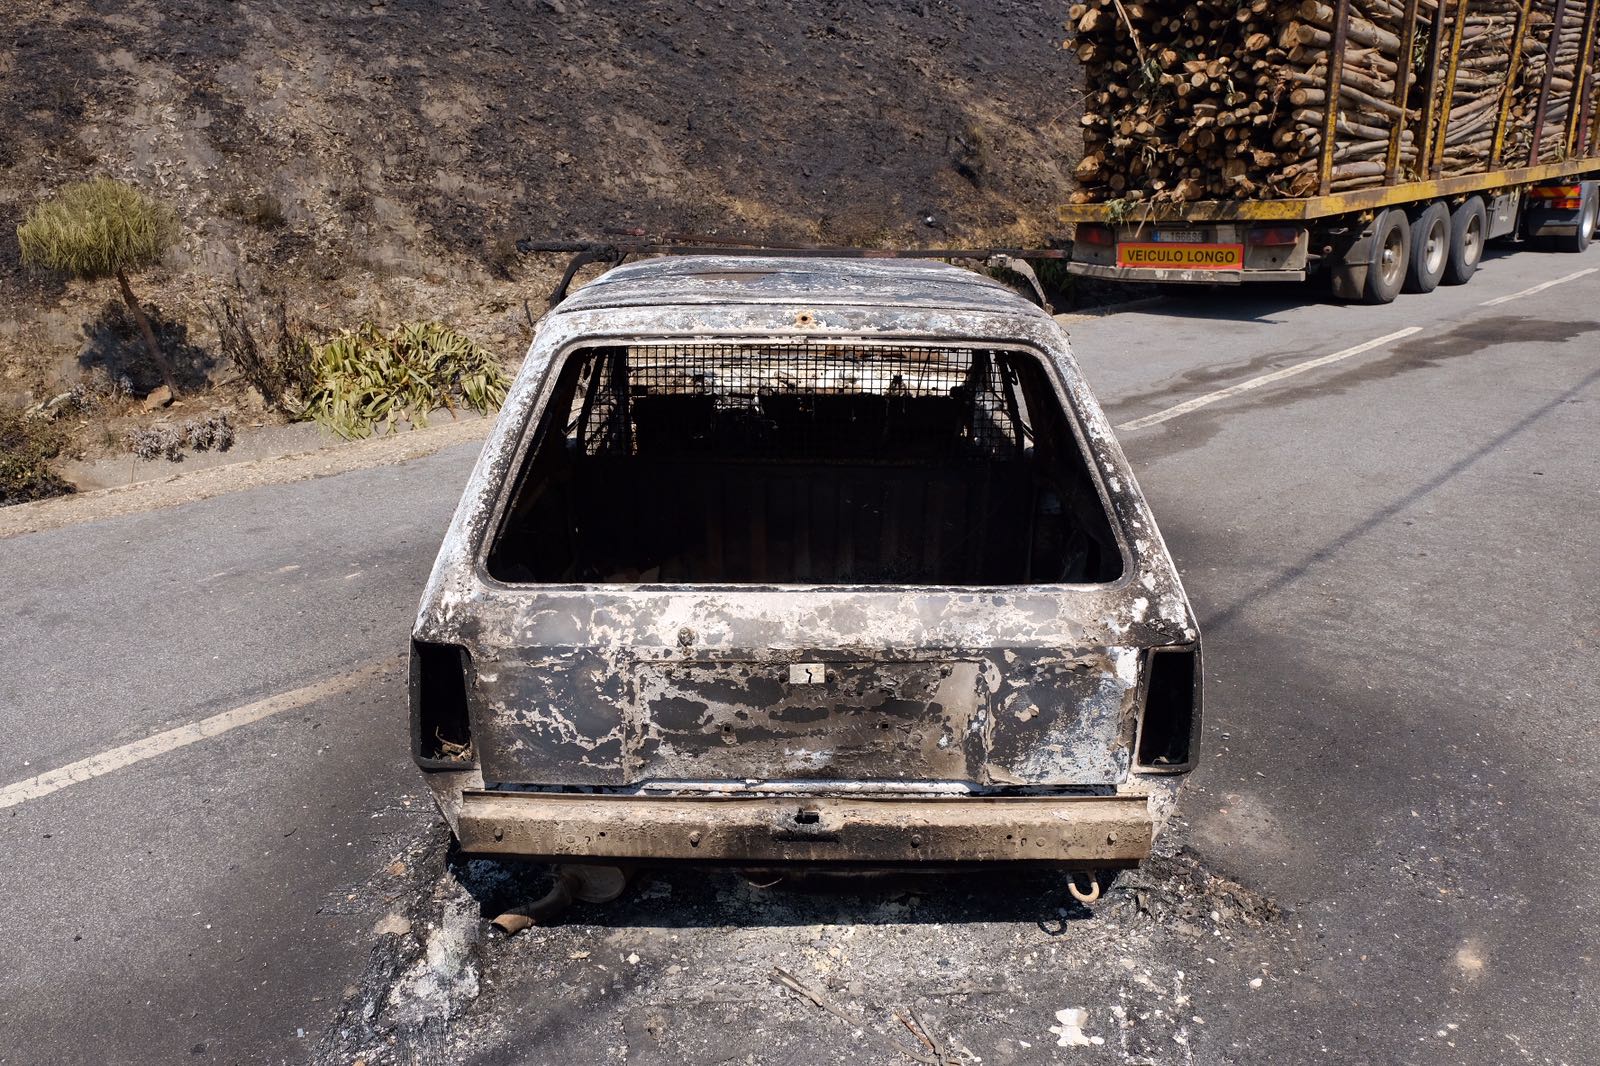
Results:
[1490, 128]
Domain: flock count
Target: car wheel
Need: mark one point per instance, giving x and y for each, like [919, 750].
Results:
[1430, 248]
[1391, 253]
[1468, 223]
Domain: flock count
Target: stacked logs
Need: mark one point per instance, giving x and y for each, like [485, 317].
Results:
[1228, 100]
[1556, 51]
[1487, 36]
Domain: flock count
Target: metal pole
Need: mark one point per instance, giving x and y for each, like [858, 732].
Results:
[1330, 120]
[1402, 89]
[1581, 78]
[1549, 72]
[1511, 85]
[1430, 101]
[1449, 87]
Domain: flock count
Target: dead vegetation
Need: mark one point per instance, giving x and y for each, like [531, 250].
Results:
[279, 368]
[28, 444]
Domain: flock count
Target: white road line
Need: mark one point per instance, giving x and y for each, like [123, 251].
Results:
[139, 750]
[1530, 290]
[1265, 379]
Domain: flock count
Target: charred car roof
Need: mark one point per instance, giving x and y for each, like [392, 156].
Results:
[723, 280]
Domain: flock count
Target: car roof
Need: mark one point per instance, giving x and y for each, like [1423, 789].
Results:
[811, 282]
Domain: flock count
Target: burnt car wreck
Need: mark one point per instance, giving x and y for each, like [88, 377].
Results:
[812, 561]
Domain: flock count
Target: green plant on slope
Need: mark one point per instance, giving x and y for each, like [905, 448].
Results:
[364, 378]
[103, 228]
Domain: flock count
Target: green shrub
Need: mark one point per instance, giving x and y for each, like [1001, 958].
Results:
[364, 378]
[26, 447]
[103, 228]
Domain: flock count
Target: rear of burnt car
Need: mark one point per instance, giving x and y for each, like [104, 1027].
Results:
[779, 562]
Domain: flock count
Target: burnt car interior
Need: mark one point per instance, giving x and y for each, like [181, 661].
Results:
[804, 463]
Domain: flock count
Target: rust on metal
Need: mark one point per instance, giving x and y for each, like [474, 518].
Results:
[803, 654]
[1431, 97]
[1544, 86]
[1513, 70]
[1338, 203]
[1102, 830]
[1330, 121]
[1582, 78]
[1447, 95]
[1402, 91]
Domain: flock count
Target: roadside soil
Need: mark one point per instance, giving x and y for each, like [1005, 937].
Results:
[379, 160]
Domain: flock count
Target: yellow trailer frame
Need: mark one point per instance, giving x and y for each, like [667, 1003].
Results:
[1338, 203]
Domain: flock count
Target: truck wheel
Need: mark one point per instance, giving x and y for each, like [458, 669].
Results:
[1586, 225]
[1391, 248]
[1468, 223]
[1430, 248]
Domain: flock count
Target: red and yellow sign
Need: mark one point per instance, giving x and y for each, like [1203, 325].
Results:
[1170, 256]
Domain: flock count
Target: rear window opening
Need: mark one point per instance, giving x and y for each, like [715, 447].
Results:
[798, 463]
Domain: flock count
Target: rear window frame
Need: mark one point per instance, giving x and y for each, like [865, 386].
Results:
[491, 529]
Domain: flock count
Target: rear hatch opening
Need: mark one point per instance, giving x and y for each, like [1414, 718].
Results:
[797, 462]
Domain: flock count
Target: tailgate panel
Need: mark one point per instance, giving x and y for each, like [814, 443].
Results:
[995, 717]
[851, 720]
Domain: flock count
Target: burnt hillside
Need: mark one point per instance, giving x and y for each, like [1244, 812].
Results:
[412, 137]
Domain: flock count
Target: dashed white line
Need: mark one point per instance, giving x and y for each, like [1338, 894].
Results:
[1530, 290]
[1265, 379]
[182, 736]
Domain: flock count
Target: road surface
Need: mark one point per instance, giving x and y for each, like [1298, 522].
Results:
[1387, 521]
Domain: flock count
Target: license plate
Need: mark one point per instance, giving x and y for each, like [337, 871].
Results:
[1180, 236]
[1160, 255]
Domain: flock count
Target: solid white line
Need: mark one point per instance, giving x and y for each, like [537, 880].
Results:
[1508, 297]
[139, 750]
[1265, 379]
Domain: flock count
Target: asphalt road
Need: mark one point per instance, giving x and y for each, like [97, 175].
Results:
[1393, 555]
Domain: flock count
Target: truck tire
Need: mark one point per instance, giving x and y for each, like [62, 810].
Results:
[1580, 239]
[1468, 223]
[1430, 248]
[1391, 251]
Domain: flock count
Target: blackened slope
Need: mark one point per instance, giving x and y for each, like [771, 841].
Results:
[394, 133]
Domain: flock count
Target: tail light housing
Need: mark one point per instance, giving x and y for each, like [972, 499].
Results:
[1096, 234]
[1169, 719]
[1273, 236]
[1561, 197]
[441, 729]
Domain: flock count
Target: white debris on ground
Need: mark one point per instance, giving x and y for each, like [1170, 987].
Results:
[1069, 1028]
[445, 979]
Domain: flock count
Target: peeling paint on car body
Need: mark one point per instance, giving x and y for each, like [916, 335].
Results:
[629, 688]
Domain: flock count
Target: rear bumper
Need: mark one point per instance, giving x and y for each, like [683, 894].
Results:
[1199, 277]
[1087, 831]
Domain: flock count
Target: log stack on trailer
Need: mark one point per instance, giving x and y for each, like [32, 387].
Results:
[1218, 100]
[1330, 107]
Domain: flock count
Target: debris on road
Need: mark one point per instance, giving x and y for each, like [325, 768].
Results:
[1069, 1028]
[573, 882]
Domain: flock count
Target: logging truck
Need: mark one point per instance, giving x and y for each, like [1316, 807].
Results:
[1213, 156]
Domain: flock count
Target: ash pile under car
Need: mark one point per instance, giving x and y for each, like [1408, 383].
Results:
[804, 561]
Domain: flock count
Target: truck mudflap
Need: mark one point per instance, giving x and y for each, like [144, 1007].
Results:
[1089, 831]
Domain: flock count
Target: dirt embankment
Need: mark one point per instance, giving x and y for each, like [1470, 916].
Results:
[380, 157]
